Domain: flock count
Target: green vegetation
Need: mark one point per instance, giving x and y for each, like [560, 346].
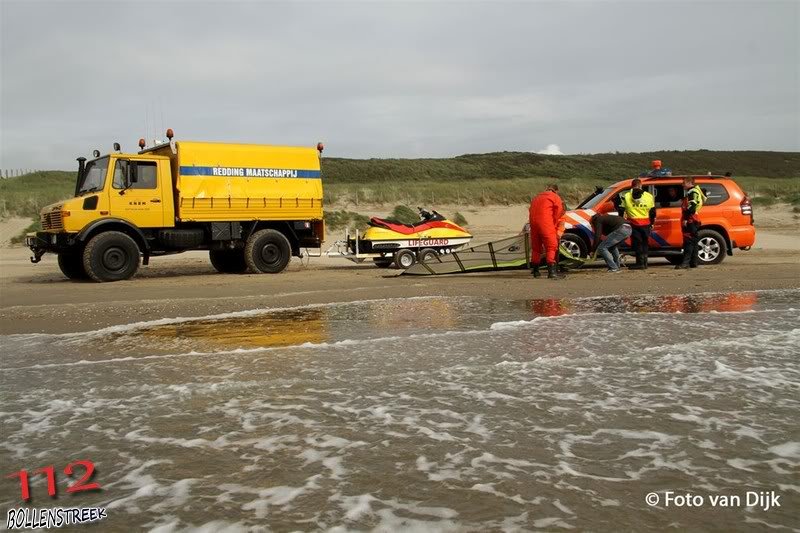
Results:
[459, 219]
[24, 196]
[521, 165]
[19, 239]
[434, 193]
[475, 179]
[764, 200]
[345, 219]
[404, 215]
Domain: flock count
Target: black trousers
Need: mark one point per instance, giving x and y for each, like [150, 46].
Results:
[690, 243]
[640, 236]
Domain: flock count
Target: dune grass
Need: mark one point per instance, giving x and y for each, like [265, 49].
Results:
[501, 178]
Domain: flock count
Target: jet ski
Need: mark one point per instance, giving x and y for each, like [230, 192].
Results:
[390, 242]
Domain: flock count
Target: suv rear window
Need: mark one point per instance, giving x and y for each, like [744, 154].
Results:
[716, 193]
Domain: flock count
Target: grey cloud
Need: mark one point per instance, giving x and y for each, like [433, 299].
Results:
[376, 79]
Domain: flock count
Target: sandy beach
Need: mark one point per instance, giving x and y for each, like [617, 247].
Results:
[37, 298]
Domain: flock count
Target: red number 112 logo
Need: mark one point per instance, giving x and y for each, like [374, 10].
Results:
[50, 473]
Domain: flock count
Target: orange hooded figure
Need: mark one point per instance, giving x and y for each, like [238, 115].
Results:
[544, 215]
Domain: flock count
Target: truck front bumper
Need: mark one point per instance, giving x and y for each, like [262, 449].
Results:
[42, 242]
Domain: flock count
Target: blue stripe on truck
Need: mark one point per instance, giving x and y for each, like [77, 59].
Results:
[250, 172]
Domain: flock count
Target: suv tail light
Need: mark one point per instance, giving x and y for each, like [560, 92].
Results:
[747, 206]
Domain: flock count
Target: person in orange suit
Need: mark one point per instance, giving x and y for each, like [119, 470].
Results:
[545, 211]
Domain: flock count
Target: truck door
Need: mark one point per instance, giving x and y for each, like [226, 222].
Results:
[136, 193]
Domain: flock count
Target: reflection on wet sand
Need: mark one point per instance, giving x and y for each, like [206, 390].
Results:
[693, 303]
[282, 328]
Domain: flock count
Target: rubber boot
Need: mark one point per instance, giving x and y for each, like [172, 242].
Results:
[553, 273]
[639, 264]
[535, 272]
[644, 261]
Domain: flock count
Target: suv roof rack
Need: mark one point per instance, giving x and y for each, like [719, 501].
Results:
[695, 176]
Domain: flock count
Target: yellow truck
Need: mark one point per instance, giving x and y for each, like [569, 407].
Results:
[251, 206]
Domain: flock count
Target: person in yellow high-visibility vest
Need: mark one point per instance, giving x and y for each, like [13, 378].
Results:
[690, 221]
[640, 211]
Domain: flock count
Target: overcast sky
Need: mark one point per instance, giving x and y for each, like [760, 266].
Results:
[402, 79]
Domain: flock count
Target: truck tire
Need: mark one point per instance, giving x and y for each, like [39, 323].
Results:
[267, 251]
[228, 261]
[711, 247]
[71, 265]
[404, 259]
[111, 256]
[428, 255]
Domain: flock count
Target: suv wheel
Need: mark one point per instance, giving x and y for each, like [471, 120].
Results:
[575, 245]
[111, 256]
[711, 247]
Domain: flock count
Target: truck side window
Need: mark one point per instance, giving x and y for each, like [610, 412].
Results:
[119, 173]
[146, 171]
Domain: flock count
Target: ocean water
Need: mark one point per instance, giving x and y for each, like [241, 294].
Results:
[424, 414]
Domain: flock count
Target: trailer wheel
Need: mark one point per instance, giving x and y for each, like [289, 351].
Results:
[428, 255]
[404, 259]
[383, 262]
[228, 261]
[111, 256]
[267, 251]
[71, 265]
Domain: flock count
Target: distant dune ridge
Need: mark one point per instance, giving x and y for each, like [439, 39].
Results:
[482, 179]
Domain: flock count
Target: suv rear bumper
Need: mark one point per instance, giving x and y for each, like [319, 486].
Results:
[742, 237]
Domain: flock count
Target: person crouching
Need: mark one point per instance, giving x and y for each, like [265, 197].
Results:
[616, 229]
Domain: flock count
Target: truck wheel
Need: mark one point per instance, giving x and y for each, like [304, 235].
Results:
[267, 251]
[111, 256]
[711, 247]
[383, 262]
[428, 255]
[404, 259]
[71, 265]
[228, 261]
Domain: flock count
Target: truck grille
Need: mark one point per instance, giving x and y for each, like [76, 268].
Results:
[52, 220]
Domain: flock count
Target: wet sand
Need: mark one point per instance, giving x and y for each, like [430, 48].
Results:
[37, 298]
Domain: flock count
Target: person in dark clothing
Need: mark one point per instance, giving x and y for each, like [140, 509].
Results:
[690, 221]
[640, 212]
[616, 229]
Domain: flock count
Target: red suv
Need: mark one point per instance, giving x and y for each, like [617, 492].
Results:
[726, 218]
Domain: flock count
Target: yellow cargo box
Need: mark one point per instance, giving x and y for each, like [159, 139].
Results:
[239, 182]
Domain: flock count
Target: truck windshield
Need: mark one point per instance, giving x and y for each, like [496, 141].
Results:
[94, 176]
[596, 198]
